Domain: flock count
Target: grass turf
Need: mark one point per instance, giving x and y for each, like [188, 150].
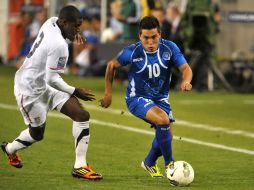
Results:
[117, 153]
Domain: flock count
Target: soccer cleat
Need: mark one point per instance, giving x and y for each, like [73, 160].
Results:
[13, 159]
[87, 173]
[152, 170]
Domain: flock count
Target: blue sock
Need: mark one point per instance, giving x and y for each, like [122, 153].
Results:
[163, 137]
[154, 154]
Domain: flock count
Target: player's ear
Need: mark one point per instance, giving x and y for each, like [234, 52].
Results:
[139, 34]
[159, 31]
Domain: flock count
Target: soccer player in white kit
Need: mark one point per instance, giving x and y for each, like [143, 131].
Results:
[39, 88]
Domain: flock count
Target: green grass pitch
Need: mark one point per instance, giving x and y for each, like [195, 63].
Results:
[214, 132]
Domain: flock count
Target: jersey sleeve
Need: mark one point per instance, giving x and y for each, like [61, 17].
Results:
[177, 56]
[57, 59]
[124, 57]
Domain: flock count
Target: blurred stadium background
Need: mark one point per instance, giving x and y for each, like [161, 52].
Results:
[216, 35]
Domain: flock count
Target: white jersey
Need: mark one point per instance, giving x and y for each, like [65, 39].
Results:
[49, 53]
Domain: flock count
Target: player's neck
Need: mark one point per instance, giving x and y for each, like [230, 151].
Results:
[60, 27]
[151, 52]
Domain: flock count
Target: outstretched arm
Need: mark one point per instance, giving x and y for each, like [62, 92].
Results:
[109, 77]
[186, 77]
[55, 80]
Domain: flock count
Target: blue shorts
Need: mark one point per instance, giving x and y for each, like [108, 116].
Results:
[139, 106]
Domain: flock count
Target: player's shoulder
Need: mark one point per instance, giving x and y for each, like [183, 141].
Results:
[50, 24]
[133, 48]
[53, 34]
[124, 57]
[51, 28]
[167, 43]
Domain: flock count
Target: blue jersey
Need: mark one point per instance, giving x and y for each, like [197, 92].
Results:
[150, 73]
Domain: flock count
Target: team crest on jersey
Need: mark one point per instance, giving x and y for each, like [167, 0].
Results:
[61, 62]
[166, 55]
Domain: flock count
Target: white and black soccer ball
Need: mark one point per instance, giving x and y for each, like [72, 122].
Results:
[181, 175]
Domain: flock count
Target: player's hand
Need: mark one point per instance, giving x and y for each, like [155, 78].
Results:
[186, 86]
[79, 39]
[84, 94]
[105, 102]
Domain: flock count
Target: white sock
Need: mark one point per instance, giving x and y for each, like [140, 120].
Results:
[80, 131]
[22, 141]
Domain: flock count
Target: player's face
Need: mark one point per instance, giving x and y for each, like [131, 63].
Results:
[150, 39]
[71, 29]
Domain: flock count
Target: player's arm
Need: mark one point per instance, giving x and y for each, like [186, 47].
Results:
[183, 66]
[186, 77]
[56, 64]
[55, 80]
[109, 77]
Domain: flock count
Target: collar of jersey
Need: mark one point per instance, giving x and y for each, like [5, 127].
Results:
[152, 52]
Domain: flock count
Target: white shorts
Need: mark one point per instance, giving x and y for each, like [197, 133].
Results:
[34, 109]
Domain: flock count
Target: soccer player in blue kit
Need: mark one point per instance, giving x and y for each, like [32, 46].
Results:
[147, 95]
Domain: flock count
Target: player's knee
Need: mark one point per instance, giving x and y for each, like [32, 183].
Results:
[162, 120]
[37, 133]
[81, 115]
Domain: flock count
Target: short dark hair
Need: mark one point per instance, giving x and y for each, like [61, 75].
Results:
[149, 22]
[70, 14]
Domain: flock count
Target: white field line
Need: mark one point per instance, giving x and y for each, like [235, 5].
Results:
[201, 102]
[142, 131]
[183, 123]
[251, 102]
[178, 122]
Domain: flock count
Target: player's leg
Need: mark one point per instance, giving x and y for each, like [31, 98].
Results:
[160, 119]
[154, 153]
[163, 134]
[80, 130]
[34, 113]
[149, 163]
[154, 113]
[139, 106]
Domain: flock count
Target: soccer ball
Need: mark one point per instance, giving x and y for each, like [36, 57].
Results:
[181, 175]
